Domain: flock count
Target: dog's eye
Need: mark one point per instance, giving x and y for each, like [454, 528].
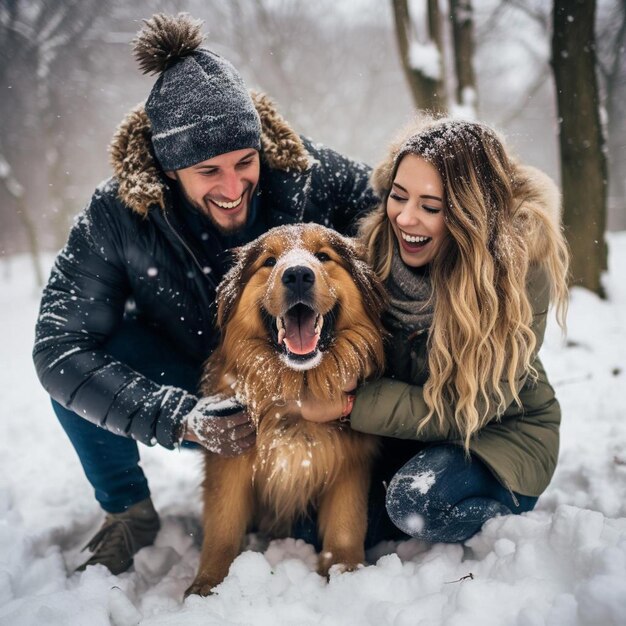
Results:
[269, 262]
[322, 256]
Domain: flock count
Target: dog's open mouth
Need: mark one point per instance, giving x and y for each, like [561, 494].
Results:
[300, 330]
[302, 334]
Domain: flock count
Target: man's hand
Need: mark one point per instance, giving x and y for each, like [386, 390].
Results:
[221, 425]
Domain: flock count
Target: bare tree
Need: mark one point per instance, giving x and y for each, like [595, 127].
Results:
[611, 35]
[34, 37]
[583, 160]
[463, 45]
[15, 190]
[424, 51]
[531, 34]
[422, 61]
[331, 78]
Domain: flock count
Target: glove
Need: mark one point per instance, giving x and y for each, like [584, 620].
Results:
[221, 425]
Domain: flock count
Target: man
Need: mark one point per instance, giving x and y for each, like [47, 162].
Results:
[126, 319]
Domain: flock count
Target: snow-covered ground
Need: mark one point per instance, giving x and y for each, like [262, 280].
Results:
[564, 563]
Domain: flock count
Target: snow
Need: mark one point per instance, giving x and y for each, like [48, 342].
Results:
[423, 482]
[564, 563]
[177, 129]
[199, 419]
[425, 58]
[466, 109]
[12, 184]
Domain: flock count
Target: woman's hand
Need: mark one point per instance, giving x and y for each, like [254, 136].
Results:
[315, 411]
[329, 410]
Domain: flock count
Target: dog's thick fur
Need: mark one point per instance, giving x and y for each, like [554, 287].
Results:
[295, 464]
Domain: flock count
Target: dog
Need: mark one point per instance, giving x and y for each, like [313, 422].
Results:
[299, 315]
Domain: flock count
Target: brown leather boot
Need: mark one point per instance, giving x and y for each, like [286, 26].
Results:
[122, 535]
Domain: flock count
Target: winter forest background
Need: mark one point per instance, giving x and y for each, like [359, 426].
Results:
[67, 78]
[549, 74]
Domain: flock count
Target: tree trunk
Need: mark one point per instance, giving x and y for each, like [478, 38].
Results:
[427, 88]
[583, 161]
[463, 39]
[16, 191]
[33, 243]
[613, 75]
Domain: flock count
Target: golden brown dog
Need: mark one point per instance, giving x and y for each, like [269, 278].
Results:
[300, 318]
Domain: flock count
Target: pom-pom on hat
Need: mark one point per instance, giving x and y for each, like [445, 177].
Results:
[199, 106]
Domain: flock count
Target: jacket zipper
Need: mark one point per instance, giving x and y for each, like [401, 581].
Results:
[189, 250]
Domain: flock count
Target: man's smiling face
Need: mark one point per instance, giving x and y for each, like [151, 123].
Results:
[221, 188]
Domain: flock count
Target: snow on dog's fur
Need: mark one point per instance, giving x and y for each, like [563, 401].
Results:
[300, 318]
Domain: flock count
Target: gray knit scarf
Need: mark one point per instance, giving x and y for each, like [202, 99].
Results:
[410, 307]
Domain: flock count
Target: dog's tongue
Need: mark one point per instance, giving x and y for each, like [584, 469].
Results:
[300, 336]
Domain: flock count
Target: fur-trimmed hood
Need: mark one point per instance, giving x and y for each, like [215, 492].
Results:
[535, 193]
[141, 180]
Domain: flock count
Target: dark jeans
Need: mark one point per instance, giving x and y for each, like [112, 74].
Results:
[111, 462]
[441, 495]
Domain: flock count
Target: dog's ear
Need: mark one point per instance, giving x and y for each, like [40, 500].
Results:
[370, 286]
[231, 287]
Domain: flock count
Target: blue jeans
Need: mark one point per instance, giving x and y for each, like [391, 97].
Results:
[441, 495]
[110, 461]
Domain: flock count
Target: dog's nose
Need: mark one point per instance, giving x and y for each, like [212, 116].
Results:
[298, 279]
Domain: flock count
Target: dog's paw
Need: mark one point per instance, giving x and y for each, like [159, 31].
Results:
[338, 563]
[342, 568]
[200, 587]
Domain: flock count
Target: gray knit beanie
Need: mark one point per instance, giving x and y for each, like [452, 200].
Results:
[199, 106]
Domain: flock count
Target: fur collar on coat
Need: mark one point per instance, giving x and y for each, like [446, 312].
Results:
[535, 192]
[141, 180]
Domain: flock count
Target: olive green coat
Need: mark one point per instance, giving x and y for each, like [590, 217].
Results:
[521, 446]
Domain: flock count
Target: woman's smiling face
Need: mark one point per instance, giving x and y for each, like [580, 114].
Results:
[415, 208]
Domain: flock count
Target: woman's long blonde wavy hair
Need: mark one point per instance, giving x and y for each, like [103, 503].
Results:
[480, 340]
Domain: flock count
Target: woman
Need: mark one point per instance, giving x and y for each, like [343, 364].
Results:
[469, 245]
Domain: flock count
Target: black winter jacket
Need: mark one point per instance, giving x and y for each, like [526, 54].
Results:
[127, 247]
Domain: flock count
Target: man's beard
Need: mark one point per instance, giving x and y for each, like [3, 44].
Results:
[205, 211]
